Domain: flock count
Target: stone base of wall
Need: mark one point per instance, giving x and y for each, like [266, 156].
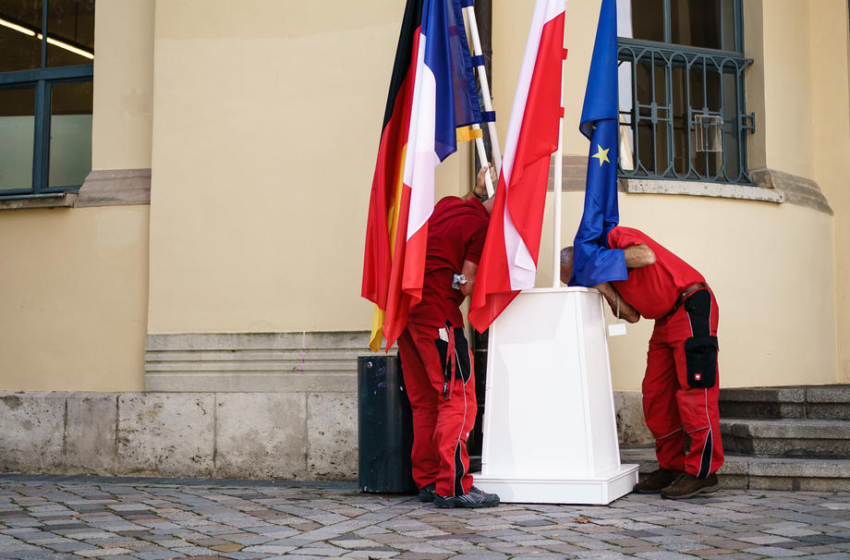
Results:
[631, 427]
[294, 436]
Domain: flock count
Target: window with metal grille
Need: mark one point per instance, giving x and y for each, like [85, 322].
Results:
[46, 70]
[682, 105]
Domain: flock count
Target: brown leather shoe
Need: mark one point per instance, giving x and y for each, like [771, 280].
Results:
[657, 481]
[688, 486]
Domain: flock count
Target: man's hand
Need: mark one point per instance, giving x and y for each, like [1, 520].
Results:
[469, 271]
[626, 311]
[480, 189]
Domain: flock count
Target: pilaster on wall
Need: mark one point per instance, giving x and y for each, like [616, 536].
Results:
[123, 85]
[830, 117]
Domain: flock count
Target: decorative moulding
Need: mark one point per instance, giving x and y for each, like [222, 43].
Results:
[714, 190]
[770, 186]
[114, 187]
[295, 362]
[797, 190]
[59, 200]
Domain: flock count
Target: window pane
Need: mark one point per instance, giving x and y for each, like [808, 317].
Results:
[705, 88]
[624, 19]
[643, 82]
[20, 23]
[70, 32]
[70, 134]
[698, 23]
[648, 19]
[661, 152]
[730, 126]
[729, 26]
[17, 123]
[646, 146]
[714, 98]
[681, 160]
[627, 154]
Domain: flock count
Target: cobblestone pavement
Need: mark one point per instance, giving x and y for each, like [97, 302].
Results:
[48, 517]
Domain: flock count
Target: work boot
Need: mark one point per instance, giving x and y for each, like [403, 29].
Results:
[688, 486]
[428, 493]
[657, 481]
[474, 499]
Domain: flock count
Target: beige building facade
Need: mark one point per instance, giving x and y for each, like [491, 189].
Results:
[198, 299]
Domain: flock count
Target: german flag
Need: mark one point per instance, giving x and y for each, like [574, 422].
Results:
[432, 93]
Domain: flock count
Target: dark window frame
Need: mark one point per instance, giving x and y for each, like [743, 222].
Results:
[43, 79]
[667, 58]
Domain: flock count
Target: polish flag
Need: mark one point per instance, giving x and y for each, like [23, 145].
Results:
[509, 261]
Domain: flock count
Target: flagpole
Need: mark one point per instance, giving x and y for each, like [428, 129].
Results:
[485, 88]
[557, 188]
[482, 157]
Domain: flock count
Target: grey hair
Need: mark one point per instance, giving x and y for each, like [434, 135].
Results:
[567, 256]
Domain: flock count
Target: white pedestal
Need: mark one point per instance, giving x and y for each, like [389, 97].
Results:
[550, 434]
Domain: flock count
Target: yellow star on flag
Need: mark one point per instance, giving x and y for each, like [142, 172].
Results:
[601, 155]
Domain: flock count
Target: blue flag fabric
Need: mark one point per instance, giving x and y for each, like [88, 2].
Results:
[447, 55]
[593, 261]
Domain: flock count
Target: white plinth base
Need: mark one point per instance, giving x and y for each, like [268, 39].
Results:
[550, 433]
[594, 491]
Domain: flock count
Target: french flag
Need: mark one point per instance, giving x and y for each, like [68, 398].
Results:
[432, 93]
[509, 261]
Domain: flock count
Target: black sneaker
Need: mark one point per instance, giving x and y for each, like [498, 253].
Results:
[474, 499]
[428, 493]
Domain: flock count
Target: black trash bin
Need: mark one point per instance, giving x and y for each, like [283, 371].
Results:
[385, 426]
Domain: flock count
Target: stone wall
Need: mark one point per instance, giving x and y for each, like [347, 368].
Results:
[631, 427]
[294, 436]
[301, 436]
[260, 405]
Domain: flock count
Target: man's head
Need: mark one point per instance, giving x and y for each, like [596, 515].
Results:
[566, 264]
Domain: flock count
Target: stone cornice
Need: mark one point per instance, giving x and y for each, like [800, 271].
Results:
[770, 186]
[114, 187]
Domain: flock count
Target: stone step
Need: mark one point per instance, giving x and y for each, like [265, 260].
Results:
[786, 437]
[827, 402]
[764, 473]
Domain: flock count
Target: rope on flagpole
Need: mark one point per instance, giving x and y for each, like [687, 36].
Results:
[478, 57]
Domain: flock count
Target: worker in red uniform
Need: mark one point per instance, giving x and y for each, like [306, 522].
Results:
[435, 356]
[681, 384]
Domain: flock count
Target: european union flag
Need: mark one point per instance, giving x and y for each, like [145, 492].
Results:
[447, 56]
[593, 261]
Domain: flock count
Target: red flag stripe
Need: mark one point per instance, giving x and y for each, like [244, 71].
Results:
[509, 260]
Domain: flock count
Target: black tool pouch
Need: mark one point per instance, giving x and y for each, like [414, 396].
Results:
[442, 350]
[701, 358]
[464, 368]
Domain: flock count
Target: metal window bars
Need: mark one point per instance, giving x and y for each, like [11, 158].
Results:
[683, 113]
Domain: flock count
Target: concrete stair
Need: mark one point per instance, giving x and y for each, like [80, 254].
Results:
[780, 438]
[786, 437]
[824, 402]
[764, 473]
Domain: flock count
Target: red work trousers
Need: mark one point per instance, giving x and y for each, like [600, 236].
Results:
[440, 427]
[681, 387]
